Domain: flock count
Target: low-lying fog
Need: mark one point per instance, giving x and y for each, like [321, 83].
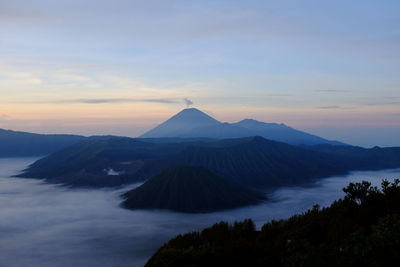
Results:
[48, 225]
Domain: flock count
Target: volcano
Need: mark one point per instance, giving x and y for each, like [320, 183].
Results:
[194, 123]
[181, 123]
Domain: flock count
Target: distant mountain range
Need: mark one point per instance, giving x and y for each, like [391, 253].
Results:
[188, 163]
[191, 123]
[23, 144]
[189, 189]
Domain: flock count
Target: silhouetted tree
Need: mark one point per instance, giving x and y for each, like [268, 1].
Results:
[362, 229]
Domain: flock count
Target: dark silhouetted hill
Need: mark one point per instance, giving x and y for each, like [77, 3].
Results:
[189, 189]
[255, 161]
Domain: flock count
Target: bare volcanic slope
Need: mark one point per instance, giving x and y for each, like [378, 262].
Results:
[189, 189]
[184, 121]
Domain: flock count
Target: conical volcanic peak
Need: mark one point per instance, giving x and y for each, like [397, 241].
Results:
[184, 121]
[189, 189]
[194, 115]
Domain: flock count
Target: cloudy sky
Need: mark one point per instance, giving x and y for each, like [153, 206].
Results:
[122, 66]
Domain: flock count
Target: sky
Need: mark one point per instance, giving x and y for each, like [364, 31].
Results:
[120, 67]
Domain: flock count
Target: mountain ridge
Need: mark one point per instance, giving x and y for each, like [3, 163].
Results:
[250, 161]
[25, 144]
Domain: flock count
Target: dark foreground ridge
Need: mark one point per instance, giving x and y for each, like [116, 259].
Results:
[189, 189]
[362, 229]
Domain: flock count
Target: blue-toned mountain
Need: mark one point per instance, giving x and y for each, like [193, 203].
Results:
[193, 123]
[184, 121]
[24, 144]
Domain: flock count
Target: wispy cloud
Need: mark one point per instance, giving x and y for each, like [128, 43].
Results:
[393, 114]
[383, 103]
[4, 117]
[332, 91]
[279, 95]
[330, 107]
[11, 11]
[188, 102]
[108, 100]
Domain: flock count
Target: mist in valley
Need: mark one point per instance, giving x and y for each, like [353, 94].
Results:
[50, 225]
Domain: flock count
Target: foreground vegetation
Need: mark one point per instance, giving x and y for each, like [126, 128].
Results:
[362, 229]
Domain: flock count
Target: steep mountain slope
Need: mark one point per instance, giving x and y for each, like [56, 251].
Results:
[182, 122]
[189, 189]
[23, 144]
[255, 161]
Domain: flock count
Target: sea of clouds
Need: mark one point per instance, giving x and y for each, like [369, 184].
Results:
[50, 225]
